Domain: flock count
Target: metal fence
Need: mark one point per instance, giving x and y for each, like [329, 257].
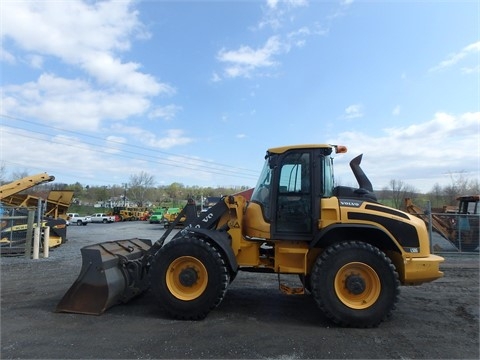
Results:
[17, 226]
[453, 232]
[448, 232]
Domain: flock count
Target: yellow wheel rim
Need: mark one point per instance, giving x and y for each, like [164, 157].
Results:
[357, 285]
[186, 278]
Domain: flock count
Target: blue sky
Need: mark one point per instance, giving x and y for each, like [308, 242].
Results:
[196, 91]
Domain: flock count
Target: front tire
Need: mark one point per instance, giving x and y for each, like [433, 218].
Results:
[355, 284]
[189, 278]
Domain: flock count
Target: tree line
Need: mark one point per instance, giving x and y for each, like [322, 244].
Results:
[141, 191]
[439, 196]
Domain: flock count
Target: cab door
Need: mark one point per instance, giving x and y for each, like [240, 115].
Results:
[294, 211]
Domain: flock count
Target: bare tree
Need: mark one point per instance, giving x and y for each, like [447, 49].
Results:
[400, 191]
[474, 187]
[139, 186]
[19, 175]
[436, 196]
[177, 193]
[3, 173]
[458, 186]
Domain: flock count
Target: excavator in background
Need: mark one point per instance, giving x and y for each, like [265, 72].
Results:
[459, 224]
[345, 249]
[55, 208]
[468, 225]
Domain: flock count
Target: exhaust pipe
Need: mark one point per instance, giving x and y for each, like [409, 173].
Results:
[362, 179]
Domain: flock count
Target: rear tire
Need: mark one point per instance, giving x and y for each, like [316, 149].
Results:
[189, 278]
[355, 284]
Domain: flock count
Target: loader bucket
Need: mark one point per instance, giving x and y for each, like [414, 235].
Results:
[112, 272]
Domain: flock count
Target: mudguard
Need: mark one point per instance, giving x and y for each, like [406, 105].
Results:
[222, 240]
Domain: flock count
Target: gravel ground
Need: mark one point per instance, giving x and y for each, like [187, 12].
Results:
[438, 320]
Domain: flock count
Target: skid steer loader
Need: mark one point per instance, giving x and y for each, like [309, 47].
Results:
[350, 252]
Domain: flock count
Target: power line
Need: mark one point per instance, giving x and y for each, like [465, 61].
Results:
[144, 157]
[194, 163]
[205, 163]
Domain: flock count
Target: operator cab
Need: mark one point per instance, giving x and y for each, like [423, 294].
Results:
[287, 195]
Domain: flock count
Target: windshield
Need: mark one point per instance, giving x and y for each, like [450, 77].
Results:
[261, 193]
[328, 179]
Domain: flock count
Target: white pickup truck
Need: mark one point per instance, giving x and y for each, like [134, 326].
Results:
[102, 218]
[75, 218]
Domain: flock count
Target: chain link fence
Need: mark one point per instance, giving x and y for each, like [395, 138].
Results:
[454, 232]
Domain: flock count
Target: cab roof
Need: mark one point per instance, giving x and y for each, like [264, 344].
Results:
[282, 149]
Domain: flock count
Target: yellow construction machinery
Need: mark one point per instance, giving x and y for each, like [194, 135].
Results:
[129, 213]
[55, 211]
[458, 224]
[170, 216]
[350, 252]
[23, 184]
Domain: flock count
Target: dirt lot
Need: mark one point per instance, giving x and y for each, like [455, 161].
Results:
[439, 320]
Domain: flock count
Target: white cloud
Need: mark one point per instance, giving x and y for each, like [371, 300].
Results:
[172, 138]
[471, 70]
[89, 37]
[6, 56]
[248, 62]
[110, 71]
[272, 4]
[298, 37]
[167, 112]
[277, 11]
[353, 111]
[420, 154]
[73, 102]
[169, 139]
[279, 16]
[70, 30]
[215, 78]
[245, 60]
[454, 58]
[36, 61]
[340, 11]
[113, 144]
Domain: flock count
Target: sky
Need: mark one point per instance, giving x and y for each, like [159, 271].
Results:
[195, 92]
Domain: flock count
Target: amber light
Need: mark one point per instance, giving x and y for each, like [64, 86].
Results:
[340, 149]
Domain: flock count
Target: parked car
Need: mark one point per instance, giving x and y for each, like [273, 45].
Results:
[75, 218]
[102, 218]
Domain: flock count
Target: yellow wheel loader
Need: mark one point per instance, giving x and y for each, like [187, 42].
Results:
[350, 252]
